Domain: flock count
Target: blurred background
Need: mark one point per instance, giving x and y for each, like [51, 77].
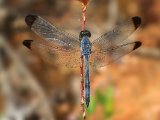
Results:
[34, 89]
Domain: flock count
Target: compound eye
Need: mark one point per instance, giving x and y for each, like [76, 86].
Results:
[88, 33]
[81, 35]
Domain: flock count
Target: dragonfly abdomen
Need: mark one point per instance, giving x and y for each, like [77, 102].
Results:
[87, 92]
[87, 82]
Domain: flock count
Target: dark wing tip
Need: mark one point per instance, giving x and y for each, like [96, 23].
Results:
[27, 43]
[137, 45]
[30, 19]
[136, 21]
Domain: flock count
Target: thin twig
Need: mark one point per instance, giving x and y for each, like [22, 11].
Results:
[82, 65]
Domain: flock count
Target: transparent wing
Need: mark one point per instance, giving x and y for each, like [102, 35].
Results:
[50, 53]
[51, 33]
[103, 57]
[115, 37]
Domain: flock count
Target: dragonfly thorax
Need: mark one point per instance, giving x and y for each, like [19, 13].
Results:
[86, 46]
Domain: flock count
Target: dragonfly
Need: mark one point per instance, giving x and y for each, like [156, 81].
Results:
[68, 49]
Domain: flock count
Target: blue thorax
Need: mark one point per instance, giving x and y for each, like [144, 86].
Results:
[86, 46]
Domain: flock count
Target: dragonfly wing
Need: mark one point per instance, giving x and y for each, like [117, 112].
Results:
[53, 55]
[104, 57]
[51, 33]
[120, 33]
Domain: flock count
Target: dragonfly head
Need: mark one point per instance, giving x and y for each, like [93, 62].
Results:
[84, 33]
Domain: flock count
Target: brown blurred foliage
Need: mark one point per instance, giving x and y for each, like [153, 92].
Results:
[136, 77]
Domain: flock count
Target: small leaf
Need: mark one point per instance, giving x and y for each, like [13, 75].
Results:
[100, 98]
[0, 116]
[91, 107]
[108, 107]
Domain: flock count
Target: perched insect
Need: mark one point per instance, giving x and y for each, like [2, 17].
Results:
[67, 49]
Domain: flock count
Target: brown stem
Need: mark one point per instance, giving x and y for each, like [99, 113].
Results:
[82, 65]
